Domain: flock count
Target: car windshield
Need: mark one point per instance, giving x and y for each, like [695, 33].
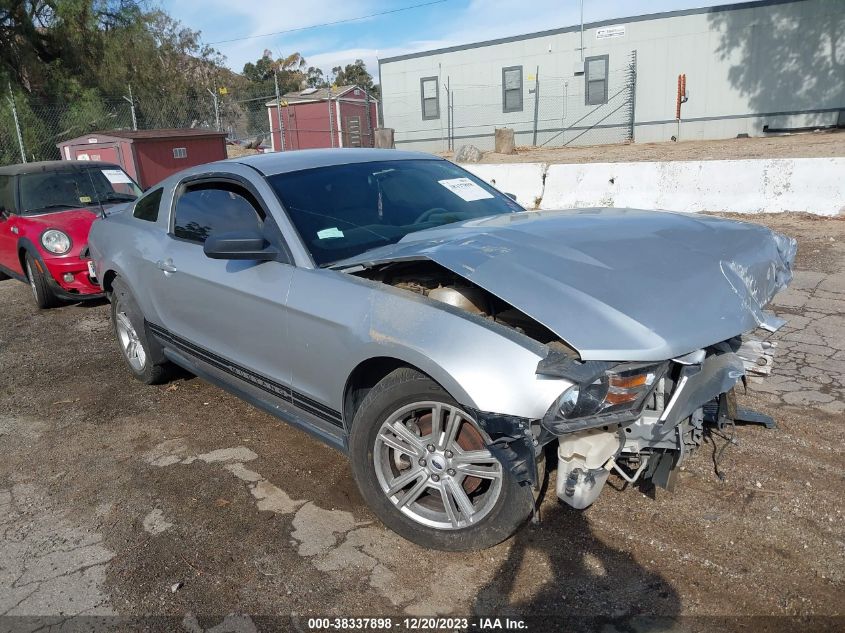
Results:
[61, 190]
[343, 210]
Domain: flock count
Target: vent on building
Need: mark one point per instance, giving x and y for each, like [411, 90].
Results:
[180, 152]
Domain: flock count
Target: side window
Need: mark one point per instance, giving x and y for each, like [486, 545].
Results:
[595, 80]
[512, 89]
[147, 207]
[207, 207]
[430, 98]
[7, 193]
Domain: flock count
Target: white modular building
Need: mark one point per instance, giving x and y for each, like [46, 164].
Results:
[752, 68]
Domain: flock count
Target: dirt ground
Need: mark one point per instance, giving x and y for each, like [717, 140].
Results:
[807, 145]
[181, 500]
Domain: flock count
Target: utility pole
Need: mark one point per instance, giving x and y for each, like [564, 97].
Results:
[11, 98]
[279, 113]
[213, 94]
[131, 101]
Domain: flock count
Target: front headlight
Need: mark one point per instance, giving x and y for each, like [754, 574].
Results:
[621, 389]
[55, 241]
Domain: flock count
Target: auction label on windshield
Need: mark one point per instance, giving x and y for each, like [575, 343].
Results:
[465, 189]
[116, 176]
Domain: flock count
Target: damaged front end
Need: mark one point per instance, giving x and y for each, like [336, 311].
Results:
[641, 420]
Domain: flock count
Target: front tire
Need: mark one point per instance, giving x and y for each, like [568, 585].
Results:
[422, 466]
[41, 291]
[135, 346]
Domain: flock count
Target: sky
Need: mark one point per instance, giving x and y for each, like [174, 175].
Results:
[439, 23]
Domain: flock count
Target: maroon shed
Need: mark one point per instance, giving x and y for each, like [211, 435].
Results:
[343, 116]
[149, 156]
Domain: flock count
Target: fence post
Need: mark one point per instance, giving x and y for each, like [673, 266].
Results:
[131, 101]
[369, 120]
[279, 113]
[331, 117]
[11, 98]
[213, 94]
[536, 104]
[448, 114]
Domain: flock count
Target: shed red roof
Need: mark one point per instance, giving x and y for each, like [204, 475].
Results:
[160, 133]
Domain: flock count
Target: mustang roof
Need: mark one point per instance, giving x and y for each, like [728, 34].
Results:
[284, 162]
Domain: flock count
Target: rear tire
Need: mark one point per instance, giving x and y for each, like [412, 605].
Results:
[137, 350]
[414, 471]
[44, 296]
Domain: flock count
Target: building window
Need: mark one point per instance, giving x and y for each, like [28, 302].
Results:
[595, 80]
[430, 98]
[512, 89]
[180, 152]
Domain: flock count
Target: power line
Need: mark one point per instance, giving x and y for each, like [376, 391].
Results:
[317, 26]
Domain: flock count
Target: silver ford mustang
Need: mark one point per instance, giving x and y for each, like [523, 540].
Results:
[422, 322]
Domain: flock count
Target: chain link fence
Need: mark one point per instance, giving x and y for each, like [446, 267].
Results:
[30, 128]
[548, 110]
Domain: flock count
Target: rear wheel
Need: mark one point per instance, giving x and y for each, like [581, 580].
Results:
[44, 296]
[422, 465]
[137, 349]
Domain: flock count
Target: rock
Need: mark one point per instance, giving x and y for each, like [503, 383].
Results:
[468, 154]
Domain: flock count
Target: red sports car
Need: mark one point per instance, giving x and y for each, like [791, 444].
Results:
[46, 211]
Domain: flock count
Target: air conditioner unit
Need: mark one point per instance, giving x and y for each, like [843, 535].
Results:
[578, 68]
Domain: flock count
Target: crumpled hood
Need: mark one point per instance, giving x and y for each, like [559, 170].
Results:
[616, 284]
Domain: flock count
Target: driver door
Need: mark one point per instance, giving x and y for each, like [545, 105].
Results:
[8, 235]
[229, 311]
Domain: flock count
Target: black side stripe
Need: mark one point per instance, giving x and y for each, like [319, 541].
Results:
[273, 387]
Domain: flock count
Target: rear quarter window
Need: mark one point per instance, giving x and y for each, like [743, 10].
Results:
[147, 207]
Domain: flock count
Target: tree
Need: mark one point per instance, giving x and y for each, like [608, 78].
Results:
[353, 74]
[315, 78]
[290, 69]
[356, 74]
[70, 63]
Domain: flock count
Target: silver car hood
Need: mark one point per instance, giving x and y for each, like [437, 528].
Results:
[615, 284]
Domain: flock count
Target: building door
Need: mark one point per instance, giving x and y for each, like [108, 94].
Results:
[352, 131]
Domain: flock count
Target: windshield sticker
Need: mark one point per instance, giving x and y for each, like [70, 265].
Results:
[85, 199]
[327, 234]
[116, 176]
[465, 189]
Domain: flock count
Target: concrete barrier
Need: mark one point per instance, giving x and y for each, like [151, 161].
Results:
[524, 180]
[812, 185]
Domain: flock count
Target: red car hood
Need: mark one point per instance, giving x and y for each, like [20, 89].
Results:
[76, 222]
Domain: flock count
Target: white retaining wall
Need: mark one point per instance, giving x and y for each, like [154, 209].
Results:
[812, 185]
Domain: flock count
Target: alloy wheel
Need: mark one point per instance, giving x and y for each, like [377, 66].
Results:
[130, 344]
[432, 463]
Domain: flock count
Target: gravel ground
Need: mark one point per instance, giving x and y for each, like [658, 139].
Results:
[118, 498]
[808, 145]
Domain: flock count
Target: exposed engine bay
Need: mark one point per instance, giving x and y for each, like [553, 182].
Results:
[439, 284]
[677, 402]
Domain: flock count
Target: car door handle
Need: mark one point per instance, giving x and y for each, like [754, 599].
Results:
[166, 265]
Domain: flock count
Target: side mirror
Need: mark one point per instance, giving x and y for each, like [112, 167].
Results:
[4, 215]
[512, 196]
[247, 244]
